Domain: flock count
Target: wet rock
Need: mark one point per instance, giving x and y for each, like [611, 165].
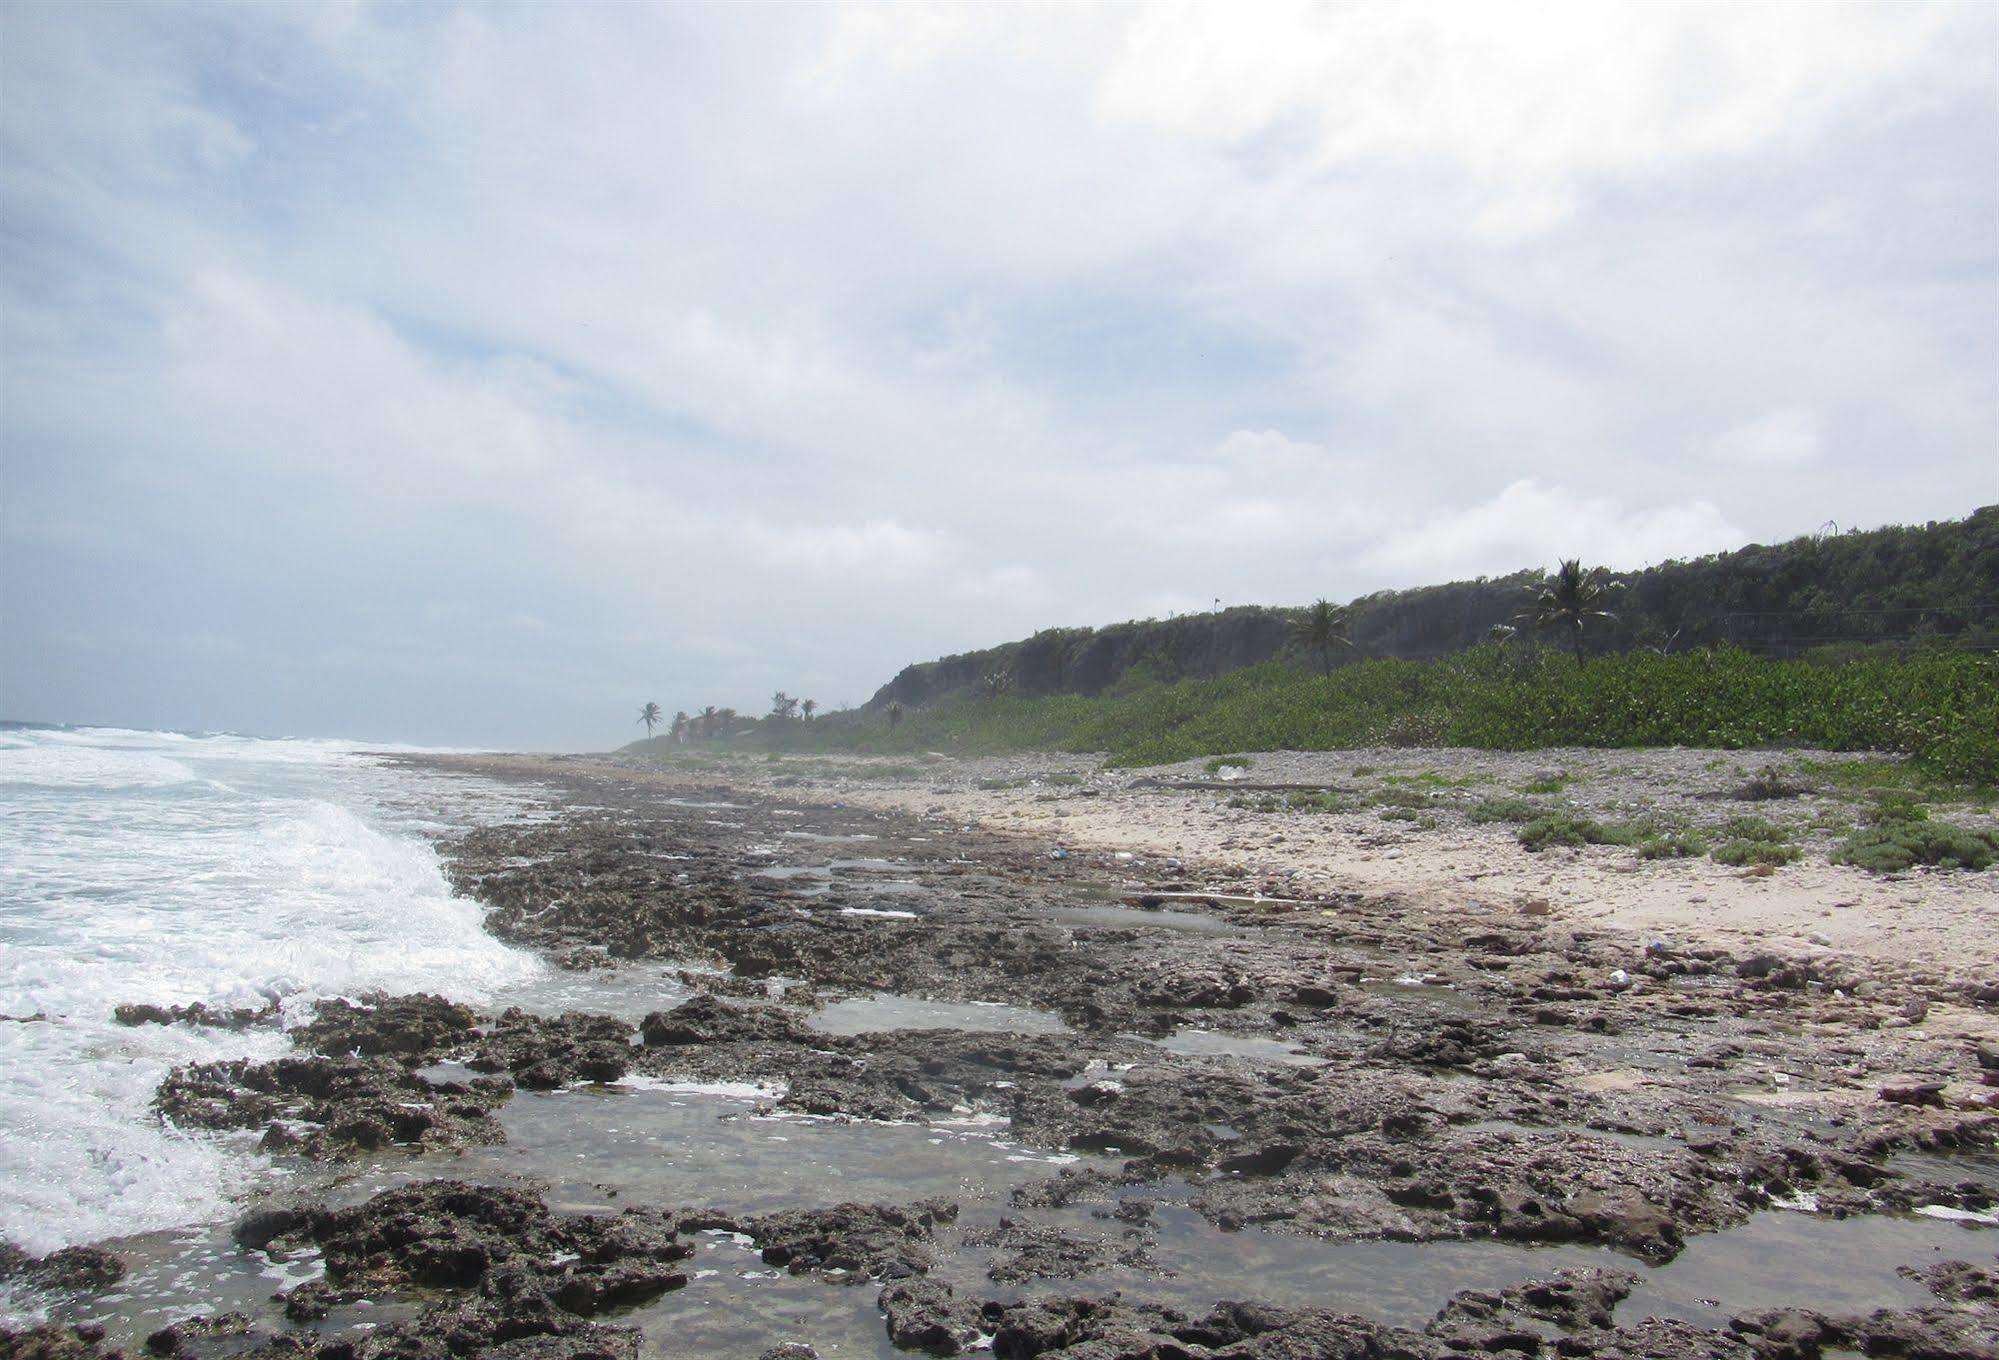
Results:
[418, 1027]
[332, 1108]
[1112, 1329]
[199, 1013]
[68, 1269]
[259, 1228]
[57, 1343]
[448, 1234]
[790, 1350]
[852, 1241]
[706, 1020]
[926, 1315]
[1942, 1333]
[488, 1329]
[544, 1053]
[1039, 1251]
[1958, 1281]
[223, 1336]
[1576, 1300]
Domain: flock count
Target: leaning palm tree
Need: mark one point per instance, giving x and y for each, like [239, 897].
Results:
[1323, 628]
[1569, 598]
[650, 716]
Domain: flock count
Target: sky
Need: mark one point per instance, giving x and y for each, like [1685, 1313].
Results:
[473, 375]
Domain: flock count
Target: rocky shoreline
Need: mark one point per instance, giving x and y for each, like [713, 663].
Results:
[1251, 1054]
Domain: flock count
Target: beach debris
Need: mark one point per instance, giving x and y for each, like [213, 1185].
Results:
[1058, 853]
[1620, 979]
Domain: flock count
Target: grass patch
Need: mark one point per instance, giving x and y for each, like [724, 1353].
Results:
[1548, 783]
[1220, 763]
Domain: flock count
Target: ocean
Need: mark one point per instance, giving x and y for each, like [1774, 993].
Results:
[236, 871]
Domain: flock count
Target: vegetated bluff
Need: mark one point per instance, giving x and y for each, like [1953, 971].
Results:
[1933, 581]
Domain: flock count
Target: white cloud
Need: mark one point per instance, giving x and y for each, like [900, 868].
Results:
[1786, 438]
[1525, 98]
[1528, 525]
[874, 548]
[1015, 586]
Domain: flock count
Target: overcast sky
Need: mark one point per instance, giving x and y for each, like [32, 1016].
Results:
[473, 375]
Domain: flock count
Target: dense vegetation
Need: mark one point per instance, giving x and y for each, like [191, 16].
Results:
[1940, 706]
[1895, 588]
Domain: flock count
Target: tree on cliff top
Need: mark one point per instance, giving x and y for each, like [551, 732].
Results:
[1569, 598]
[1323, 628]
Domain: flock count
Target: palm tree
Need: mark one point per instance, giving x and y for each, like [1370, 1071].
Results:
[1323, 628]
[709, 717]
[894, 712]
[650, 716]
[783, 707]
[807, 707]
[682, 725]
[1569, 598]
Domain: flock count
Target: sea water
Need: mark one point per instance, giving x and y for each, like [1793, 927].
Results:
[240, 872]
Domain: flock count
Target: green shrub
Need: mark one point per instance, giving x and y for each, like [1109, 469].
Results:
[1743, 852]
[1323, 800]
[1220, 763]
[1505, 810]
[1547, 783]
[1892, 844]
[1561, 828]
[1754, 829]
[1674, 844]
[1766, 784]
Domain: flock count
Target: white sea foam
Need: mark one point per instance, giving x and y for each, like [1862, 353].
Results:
[170, 869]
